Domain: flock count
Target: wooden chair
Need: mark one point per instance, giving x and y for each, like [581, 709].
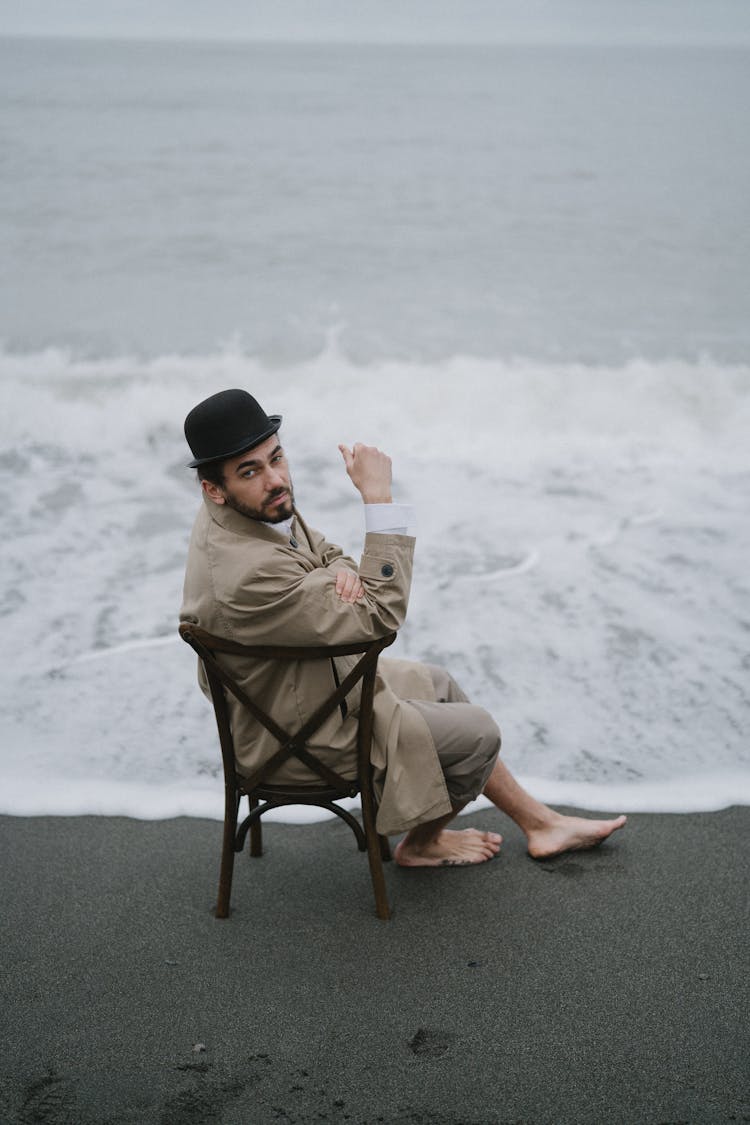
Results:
[261, 793]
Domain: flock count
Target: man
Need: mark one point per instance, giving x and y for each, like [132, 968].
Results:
[258, 574]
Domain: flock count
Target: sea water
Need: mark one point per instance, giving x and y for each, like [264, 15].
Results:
[522, 271]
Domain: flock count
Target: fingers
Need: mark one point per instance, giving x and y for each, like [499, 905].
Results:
[348, 456]
[361, 452]
[348, 586]
[370, 472]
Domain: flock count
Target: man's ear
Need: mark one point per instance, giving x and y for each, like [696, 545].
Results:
[213, 492]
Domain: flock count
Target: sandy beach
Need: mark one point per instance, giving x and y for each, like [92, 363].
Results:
[606, 986]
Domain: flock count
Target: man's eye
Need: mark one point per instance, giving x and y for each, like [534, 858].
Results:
[248, 473]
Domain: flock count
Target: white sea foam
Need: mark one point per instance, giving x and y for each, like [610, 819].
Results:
[581, 565]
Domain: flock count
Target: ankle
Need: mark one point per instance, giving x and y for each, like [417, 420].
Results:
[541, 821]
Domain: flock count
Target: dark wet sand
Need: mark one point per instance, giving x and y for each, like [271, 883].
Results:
[603, 987]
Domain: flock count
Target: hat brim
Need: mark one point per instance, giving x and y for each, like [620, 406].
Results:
[256, 439]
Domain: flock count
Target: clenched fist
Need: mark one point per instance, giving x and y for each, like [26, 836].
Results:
[370, 471]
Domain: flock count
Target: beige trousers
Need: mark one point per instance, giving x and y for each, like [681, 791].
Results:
[466, 737]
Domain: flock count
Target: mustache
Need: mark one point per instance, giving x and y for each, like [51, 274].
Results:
[276, 493]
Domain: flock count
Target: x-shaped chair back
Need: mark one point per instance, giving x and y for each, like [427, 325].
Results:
[258, 787]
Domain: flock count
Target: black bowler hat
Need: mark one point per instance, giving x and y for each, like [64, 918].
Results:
[225, 425]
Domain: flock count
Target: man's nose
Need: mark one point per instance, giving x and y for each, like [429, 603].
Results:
[274, 477]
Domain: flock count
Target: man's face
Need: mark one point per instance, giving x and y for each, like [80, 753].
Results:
[256, 483]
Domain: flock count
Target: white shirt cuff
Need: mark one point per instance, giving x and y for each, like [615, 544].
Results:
[390, 519]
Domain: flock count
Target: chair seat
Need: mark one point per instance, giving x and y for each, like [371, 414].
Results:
[301, 794]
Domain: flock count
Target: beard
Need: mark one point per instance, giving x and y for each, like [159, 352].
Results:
[265, 514]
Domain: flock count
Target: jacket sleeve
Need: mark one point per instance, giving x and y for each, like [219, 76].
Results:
[286, 599]
[331, 555]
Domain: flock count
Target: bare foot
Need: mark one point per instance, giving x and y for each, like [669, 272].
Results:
[448, 849]
[570, 833]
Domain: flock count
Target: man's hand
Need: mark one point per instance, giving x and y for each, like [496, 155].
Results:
[370, 471]
[348, 586]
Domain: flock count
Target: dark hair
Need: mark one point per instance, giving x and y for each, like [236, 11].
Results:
[213, 472]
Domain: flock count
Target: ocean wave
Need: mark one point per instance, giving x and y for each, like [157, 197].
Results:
[658, 400]
[581, 563]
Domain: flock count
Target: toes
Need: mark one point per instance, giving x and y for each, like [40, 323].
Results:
[493, 837]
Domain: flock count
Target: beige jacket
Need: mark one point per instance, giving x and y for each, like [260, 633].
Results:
[245, 581]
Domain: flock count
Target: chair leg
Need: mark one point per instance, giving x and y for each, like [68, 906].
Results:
[374, 846]
[256, 831]
[231, 806]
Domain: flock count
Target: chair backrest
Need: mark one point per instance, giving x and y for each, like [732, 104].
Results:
[207, 646]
